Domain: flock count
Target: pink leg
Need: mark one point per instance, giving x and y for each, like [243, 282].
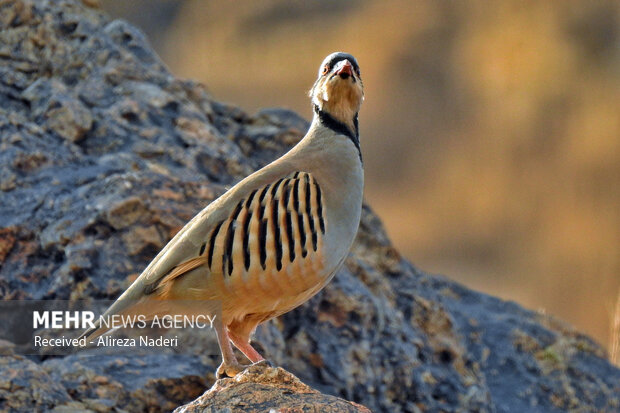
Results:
[245, 347]
[230, 366]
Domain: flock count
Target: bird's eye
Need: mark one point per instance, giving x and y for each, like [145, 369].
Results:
[325, 69]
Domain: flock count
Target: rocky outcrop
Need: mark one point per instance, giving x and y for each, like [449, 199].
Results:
[258, 389]
[100, 383]
[104, 155]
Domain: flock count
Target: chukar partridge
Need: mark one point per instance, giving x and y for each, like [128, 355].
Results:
[273, 240]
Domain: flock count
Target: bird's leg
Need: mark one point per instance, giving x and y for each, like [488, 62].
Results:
[230, 366]
[244, 346]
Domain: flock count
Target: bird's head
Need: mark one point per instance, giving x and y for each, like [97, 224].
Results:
[339, 91]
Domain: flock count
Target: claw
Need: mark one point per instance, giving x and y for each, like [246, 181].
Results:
[230, 370]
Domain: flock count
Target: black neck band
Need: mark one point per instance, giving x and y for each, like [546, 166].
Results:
[340, 128]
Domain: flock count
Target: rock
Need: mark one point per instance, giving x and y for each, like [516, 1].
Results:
[69, 118]
[260, 387]
[64, 114]
[137, 239]
[85, 208]
[126, 212]
[7, 240]
[25, 386]
[146, 383]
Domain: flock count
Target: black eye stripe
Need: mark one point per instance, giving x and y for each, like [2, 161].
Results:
[338, 59]
[333, 59]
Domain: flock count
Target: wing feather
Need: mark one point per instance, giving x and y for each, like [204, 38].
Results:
[269, 229]
[165, 283]
[275, 224]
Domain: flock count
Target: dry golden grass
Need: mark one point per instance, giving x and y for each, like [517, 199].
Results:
[614, 340]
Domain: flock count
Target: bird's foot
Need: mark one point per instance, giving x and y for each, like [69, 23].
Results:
[229, 370]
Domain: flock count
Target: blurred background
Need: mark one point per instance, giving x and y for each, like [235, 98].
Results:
[490, 130]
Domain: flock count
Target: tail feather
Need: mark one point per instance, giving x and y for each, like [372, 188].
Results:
[120, 306]
[94, 332]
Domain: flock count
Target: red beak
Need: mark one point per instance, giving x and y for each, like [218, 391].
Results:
[345, 69]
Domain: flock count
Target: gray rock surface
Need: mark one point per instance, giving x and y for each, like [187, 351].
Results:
[104, 155]
[257, 389]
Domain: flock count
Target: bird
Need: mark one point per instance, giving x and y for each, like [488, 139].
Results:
[273, 240]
